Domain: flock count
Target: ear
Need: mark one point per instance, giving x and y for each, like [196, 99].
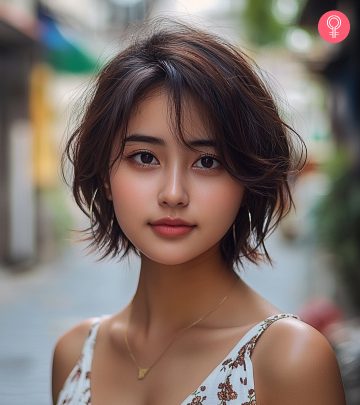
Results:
[107, 190]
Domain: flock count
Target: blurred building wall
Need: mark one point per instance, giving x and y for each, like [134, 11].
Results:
[17, 200]
[28, 161]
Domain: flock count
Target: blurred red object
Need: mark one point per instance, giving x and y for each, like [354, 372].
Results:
[321, 313]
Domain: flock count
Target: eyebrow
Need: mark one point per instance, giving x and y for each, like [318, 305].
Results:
[159, 141]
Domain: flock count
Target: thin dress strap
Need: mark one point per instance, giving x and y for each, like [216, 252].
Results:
[253, 335]
[233, 378]
[88, 348]
[76, 389]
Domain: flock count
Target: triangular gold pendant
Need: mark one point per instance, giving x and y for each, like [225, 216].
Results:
[142, 373]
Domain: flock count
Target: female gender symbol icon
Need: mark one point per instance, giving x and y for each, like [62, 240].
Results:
[333, 33]
[337, 22]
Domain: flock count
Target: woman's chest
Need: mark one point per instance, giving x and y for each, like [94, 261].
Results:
[190, 374]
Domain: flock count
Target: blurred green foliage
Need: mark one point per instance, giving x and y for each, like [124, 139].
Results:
[59, 215]
[262, 27]
[338, 220]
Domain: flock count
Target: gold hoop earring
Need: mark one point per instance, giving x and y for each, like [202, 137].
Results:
[250, 222]
[234, 231]
[91, 213]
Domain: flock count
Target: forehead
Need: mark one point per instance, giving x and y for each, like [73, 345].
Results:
[156, 114]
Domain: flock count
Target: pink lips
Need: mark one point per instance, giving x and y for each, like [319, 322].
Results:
[171, 227]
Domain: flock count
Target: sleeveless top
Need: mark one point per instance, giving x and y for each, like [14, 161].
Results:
[230, 382]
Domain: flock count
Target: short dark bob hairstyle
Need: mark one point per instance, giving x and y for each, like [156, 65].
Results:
[254, 144]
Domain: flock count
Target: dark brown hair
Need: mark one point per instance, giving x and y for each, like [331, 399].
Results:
[253, 143]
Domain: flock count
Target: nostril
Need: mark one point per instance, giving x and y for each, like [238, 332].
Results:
[174, 198]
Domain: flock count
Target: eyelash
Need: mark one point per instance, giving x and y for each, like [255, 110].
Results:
[131, 157]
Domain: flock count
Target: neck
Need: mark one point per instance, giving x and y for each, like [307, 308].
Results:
[169, 298]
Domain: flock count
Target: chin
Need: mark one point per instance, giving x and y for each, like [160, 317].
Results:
[168, 261]
[169, 258]
[179, 255]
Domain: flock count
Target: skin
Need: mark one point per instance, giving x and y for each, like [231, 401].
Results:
[183, 278]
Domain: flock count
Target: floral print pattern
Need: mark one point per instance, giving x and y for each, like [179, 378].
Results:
[226, 392]
[76, 389]
[230, 383]
[198, 398]
[251, 397]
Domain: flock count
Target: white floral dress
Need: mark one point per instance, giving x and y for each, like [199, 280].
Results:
[230, 383]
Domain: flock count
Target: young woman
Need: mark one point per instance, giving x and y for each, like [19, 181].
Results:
[182, 158]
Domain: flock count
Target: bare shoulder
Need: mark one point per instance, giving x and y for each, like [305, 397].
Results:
[295, 364]
[67, 352]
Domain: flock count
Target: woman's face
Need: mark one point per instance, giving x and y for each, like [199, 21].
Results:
[158, 177]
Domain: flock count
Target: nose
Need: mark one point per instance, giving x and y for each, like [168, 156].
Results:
[173, 192]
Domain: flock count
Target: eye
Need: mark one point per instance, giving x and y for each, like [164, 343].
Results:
[208, 161]
[143, 158]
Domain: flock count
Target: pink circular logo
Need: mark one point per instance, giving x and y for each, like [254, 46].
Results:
[334, 26]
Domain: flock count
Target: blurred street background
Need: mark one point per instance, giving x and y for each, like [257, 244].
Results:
[49, 53]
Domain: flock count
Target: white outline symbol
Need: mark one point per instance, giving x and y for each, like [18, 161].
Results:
[334, 28]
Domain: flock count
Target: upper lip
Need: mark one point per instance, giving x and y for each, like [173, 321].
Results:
[171, 221]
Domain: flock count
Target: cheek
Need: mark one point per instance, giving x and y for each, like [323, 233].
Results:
[125, 185]
[125, 194]
[223, 199]
[131, 195]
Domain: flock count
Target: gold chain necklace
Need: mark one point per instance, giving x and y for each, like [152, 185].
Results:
[142, 371]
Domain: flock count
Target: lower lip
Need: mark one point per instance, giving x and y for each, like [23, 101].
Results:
[168, 230]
